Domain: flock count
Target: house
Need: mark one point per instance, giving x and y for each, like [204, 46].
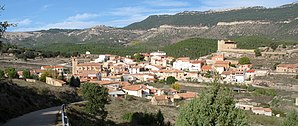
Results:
[158, 58]
[138, 90]
[55, 82]
[195, 65]
[287, 68]
[59, 69]
[186, 96]
[116, 93]
[108, 84]
[262, 111]
[219, 57]
[134, 69]
[101, 58]
[244, 106]
[162, 100]
[250, 75]
[163, 74]
[128, 60]
[182, 63]
[240, 77]
[92, 75]
[206, 68]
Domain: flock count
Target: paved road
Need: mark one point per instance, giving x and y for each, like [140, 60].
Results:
[44, 117]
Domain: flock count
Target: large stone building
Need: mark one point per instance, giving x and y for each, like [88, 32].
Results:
[88, 67]
[223, 45]
[229, 48]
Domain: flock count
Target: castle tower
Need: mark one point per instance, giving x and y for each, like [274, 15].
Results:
[74, 63]
[225, 45]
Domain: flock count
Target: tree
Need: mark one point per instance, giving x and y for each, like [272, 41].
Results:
[11, 73]
[244, 60]
[44, 75]
[71, 81]
[170, 80]
[291, 119]
[78, 82]
[176, 86]
[296, 77]
[26, 74]
[273, 45]
[215, 107]
[138, 57]
[159, 119]
[74, 82]
[257, 52]
[3, 26]
[2, 74]
[97, 97]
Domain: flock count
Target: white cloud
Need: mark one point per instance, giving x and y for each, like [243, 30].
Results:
[125, 21]
[44, 7]
[84, 16]
[22, 22]
[166, 3]
[129, 11]
[60, 25]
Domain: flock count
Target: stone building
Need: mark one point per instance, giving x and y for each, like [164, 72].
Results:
[222, 45]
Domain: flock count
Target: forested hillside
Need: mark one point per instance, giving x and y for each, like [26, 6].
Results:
[193, 48]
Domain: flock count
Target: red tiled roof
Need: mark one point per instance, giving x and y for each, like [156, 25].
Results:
[188, 95]
[250, 71]
[135, 87]
[205, 67]
[161, 97]
[288, 65]
[196, 61]
[51, 67]
[89, 64]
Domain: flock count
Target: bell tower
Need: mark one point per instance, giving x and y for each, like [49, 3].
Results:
[74, 63]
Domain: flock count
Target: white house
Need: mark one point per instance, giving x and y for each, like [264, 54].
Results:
[182, 63]
[158, 53]
[134, 69]
[262, 111]
[240, 77]
[101, 58]
[195, 65]
[139, 90]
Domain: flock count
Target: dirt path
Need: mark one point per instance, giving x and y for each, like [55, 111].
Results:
[44, 117]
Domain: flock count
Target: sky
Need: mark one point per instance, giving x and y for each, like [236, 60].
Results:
[31, 15]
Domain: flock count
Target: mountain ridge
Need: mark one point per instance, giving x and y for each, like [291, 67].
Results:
[156, 31]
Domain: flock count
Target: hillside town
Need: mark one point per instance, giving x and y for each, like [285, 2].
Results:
[132, 75]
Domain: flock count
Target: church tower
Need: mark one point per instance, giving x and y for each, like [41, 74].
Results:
[74, 63]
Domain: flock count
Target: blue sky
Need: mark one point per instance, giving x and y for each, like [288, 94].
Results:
[30, 15]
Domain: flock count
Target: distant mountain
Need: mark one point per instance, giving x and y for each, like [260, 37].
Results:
[279, 15]
[158, 31]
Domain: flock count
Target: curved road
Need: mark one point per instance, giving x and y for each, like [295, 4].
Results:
[44, 117]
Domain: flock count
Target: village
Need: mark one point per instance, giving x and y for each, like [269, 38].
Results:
[135, 75]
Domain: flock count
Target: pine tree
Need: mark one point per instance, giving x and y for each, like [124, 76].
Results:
[291, 119]
[216, 107]
[159, 119]
[97, 97]
[26, 74]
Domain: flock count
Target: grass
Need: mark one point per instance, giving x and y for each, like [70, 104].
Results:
[119, 108]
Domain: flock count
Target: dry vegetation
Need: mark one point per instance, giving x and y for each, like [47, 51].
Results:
[19, 97]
